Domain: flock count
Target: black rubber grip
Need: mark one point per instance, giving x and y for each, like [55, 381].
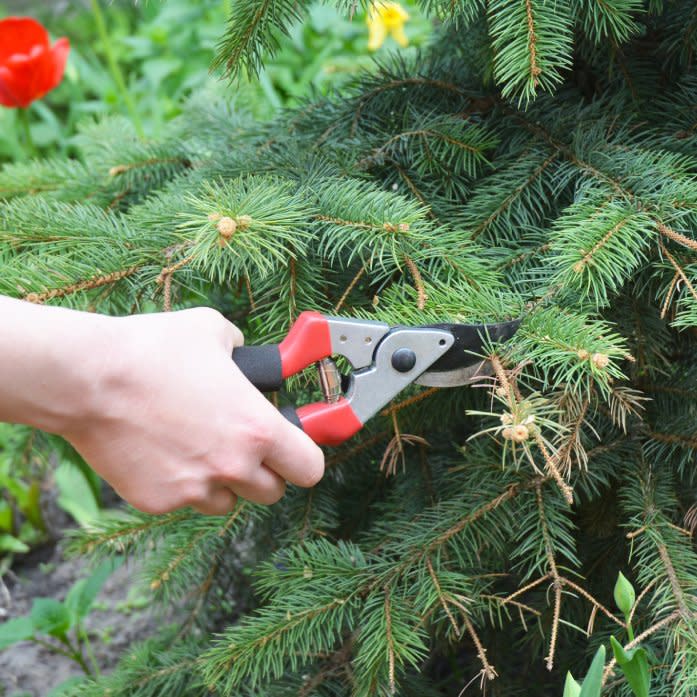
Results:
[261, 365]
[292, 416]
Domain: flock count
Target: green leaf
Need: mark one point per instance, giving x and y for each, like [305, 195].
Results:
[6, 516]
[593, 682]
[624, 594]
[50, 617]
[13, 631]
[571, 687]
[635, 666]
[31, 507]
[82, 594]
[9, 543]
[75, 494]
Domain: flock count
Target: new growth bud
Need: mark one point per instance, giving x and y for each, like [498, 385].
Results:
[226, 227]
[600, 360]
[624, 594]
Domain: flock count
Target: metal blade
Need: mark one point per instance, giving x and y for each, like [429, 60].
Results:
[469, 340]
[456, 377]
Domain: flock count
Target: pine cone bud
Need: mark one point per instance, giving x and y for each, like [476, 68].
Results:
[506, 418]
[507, 433]
[583, 355]
[214, 217]
[600, 360]
[244, 220]
[520, 433]
[226, 227]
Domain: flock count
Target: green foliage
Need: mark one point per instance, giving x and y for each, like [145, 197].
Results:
[592, 683]
[164, 51]
[464, 533]
[635, 666]
[62, 621]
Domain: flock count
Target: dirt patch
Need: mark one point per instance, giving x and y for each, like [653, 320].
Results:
[121, 616]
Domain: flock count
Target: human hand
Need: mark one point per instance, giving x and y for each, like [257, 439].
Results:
[173, 422]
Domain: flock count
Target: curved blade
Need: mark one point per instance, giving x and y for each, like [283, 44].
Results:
[462, 363]
[456, 377]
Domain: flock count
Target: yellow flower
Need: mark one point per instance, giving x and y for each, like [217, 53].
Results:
[386, 18]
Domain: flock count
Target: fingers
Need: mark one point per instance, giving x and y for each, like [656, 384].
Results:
[220, 502]
[261, 485]
[293, 455]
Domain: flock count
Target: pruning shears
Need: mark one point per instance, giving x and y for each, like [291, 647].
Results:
[384, 359]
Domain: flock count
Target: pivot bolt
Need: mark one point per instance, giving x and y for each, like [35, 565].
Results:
[403, 360]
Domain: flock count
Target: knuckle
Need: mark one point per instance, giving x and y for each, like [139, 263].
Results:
[258, 435]
[209, 317]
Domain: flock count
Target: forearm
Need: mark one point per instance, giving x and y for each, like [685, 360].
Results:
[50, 359]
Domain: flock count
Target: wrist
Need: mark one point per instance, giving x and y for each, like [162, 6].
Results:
[53, 365]
[87, 371]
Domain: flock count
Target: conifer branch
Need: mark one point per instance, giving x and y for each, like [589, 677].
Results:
[640, 597]
[676, 236]
[489, 670]
[397, 84]
[165, 574]
[679, 271]
[418, 282]
[674, 582]
[349, 288]
[551, 462]
[597, 605]
[441, 597]
[578, 266]
[79, 286]
[535, 70]
[525, 588]
[669, 294]
[409, 401]
[390, 641]
[554, 573]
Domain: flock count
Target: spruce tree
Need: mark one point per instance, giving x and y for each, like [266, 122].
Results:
[538, 160]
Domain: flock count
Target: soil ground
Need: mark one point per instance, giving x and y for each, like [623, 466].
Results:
[120, 617]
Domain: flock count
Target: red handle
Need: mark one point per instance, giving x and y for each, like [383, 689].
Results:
[307, 341]
[329, 424]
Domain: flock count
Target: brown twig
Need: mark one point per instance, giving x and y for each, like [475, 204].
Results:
[669, 294]
[409, 401]
[679, 270]
[89, 284]
[554, 573]
[582, 263]
[349, 288]
[596, 604]
[566, 491]
[489, 670]
[676, 236]
[418, 282]
[439, 592]
[250, 295]
[535, 69]
[390, 641]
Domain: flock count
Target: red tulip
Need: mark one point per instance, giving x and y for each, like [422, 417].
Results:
[29, 66]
